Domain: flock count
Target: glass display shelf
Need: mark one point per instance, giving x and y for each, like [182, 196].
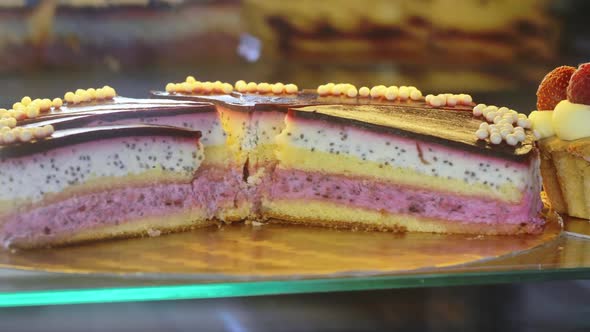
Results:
[246, 260]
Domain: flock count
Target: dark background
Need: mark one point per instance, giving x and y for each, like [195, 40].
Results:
[46, 60]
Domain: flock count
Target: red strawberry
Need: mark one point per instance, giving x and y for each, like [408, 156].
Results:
[578, 90]
[553, 87]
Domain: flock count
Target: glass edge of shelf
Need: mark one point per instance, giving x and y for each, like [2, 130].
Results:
[283, 287]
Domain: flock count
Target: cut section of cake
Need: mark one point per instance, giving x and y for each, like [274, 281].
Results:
[253, 114]
[95, 183]
[225, 200]
[401, 168]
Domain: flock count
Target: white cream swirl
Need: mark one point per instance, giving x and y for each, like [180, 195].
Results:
[570, 120]
[542, 123]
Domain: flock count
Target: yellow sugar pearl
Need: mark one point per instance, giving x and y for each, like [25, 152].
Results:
[323, 90]
[352, 92]
[415, 94]
[241, 86]
[197, 87]
[18, 106]
[69, 97]
[190, 79]
[4, 129]
[34, 107]
[84, 96]
[263, 87]
[36, 101]
[9, 122]
[26, 100]
[330, 86]
[391, 93]
[100, 94]
[227, 88]
[404, 93]
[184, 88]
[338, 89]
[207, 87]
[92, 93]
[57, 102]
[4, 123]
[191, 86]
[375, 91]
[291, 88]
[77, 99]
[110, 93]
[278, 88]
[364, 91]
[49, 130]
[217, 87]
[18, 115]
[25, 135]
[169, 87]
[38, 132]
[252, 87]
[45, 105]
[8, 137]
[32, 113]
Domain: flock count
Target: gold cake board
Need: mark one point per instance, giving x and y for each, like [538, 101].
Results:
[274, 251]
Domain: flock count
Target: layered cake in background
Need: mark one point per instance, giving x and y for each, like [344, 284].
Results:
[410, 31]
[126, 34]
[562, 124]
[117, 33]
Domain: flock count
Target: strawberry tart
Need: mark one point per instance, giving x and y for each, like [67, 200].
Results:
[561, 121]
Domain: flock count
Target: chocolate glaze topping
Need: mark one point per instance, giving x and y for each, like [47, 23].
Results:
[82, 135]
[84, 118]
[248, 102]
[445, 127]
[452, 126]
[122, 105]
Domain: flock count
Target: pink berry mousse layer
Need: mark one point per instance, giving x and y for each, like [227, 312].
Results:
[213, 190]
[221, 189]
[366, 193]
[98, 209]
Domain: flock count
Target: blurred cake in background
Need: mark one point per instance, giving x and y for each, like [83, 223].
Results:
[59, 33]
[439, 31]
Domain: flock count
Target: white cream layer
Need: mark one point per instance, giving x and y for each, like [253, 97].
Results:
[30, 177]
[207, 123]
[394, 152]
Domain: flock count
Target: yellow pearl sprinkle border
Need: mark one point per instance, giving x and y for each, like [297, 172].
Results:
[277, 88]
[499, 124]
[391, 93]
[21, 135]
[191, 86]
[448, 99]
[89, 95]
[29, 108]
